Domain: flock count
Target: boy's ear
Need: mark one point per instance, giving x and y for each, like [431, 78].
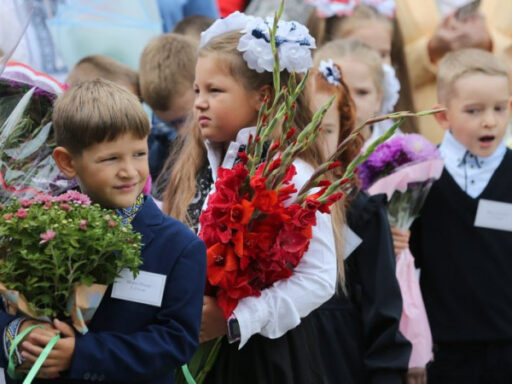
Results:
[442, 118]
[64, 161]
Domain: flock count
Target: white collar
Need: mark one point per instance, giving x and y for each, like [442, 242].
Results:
[215, 151]
[453, 152]
[470, 172]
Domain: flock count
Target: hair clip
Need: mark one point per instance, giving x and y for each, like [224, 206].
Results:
[330, 72]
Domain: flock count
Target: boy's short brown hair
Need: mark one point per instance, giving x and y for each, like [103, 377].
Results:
[166, 69]
[457, 64]
[192, 26]
[103, 67]
[96, 111]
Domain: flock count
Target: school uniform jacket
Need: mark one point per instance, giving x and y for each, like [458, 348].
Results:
[132, 342]
[466, 271]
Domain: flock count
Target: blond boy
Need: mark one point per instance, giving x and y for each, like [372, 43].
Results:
[463, 241]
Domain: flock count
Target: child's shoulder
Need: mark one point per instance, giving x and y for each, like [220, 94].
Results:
[163, 228]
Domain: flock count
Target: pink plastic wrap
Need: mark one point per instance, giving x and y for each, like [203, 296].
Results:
[414, 322]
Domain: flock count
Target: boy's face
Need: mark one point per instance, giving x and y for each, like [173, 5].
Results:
[478, 112]
[113, 173]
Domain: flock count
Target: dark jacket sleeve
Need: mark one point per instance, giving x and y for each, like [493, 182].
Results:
[5, 319]
[166, 344]
[387, 351]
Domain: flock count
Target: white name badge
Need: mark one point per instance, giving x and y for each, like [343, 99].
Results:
[2, 376]
[147, 288]
[494, 215]
[352, 241]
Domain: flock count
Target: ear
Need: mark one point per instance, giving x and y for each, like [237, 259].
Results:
[442, 118]
[263, 92]
[65, 161]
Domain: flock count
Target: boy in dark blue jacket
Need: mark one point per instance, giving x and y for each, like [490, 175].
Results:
[135, 336]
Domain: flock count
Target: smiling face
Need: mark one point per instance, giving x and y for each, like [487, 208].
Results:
[113, 173]
[478, 112]
[222, 105]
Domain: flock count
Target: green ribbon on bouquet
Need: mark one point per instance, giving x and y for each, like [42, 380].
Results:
[199, 366]
[11, 368]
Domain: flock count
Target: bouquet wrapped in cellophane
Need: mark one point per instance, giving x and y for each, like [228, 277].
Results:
[58, 252]
[404, 169]
[257, 224]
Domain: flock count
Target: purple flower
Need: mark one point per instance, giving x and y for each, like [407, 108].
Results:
[43, 198]
[396, 152]
[21, 214]
[26, 203]
[73, 197]
[47, 236]
[418, 148]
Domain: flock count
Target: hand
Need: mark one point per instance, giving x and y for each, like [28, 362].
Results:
[417, 376]
[400, 240]
[61, 355]
[213, 323]
[453, 34]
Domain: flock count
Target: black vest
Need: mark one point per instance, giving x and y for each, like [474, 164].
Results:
[466, 271]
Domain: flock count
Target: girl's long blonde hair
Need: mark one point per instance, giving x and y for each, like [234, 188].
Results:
[184, 166]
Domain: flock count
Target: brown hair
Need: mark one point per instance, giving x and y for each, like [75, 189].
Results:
[192, 26]
[457, 64]
[347, 116]
[96, 111]
[328, 29]
[166, 69]
[104, 67]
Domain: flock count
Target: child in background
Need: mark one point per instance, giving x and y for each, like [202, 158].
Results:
[373, 89]
[166, 74]
[104, 67]
[228, 97]
[192, 26]
[101, 131]
[357, 329]
[372, 23]
[462, 241]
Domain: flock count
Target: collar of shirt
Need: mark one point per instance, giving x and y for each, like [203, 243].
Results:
[470, 172]
[215, 151]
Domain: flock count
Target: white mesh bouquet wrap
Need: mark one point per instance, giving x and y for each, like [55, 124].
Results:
[331, 73]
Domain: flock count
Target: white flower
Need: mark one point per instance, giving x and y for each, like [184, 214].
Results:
[390, 89]
[329, 8]
[330, 72]
[293, 42]
[236, 21]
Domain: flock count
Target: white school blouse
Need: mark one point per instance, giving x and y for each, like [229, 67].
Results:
[281, 306]
[470, 172]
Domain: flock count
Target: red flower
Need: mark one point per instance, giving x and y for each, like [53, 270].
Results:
[258, 183]
[222, 265]
[264, 201]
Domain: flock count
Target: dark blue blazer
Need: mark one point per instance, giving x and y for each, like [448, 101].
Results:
[132, 342]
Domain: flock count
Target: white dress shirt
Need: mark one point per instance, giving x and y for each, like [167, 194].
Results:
[281, 306]
[470, 172]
